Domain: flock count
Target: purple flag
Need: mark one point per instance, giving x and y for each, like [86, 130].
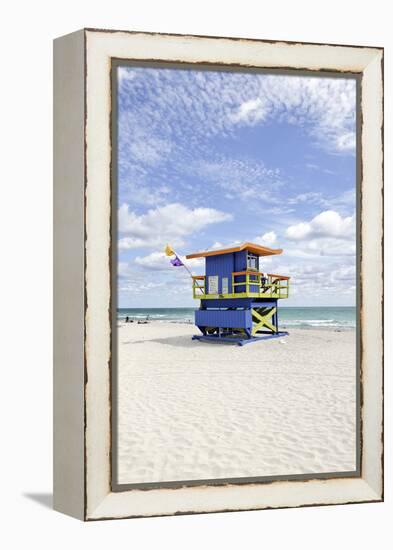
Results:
[176, 262]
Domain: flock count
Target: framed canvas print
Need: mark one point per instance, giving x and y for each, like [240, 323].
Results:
[218, 274]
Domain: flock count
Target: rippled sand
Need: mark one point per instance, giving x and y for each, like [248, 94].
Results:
[195, 410]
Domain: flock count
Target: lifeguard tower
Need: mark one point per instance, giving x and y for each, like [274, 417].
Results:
[238, 302]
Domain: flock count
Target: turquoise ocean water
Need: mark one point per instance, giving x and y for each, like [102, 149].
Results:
[299, 317]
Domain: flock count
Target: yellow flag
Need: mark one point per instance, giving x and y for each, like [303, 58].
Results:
[169, 251]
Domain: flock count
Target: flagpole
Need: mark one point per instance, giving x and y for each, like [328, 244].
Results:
[184, 265]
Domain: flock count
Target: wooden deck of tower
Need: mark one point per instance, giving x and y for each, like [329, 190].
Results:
[238, 302]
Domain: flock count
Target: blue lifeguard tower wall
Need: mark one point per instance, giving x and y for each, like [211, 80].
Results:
[224, 265]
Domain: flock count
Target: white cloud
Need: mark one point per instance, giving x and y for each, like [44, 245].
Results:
[326, 224]
[250, 111]
[216, 246]
[331, 247]
[190, 106]
[145, 195]
[134, 286]
[346, 141]
[321, 280]
[133, 282]
[343, 202]
[139, 142]
[240, 178]
[157, 261]
[325, 107]
[148, 149]
[345, 274]
[170, 223]
[311, 197]
[267, 239]
[347, 198]
[125, 73]
[123, 270]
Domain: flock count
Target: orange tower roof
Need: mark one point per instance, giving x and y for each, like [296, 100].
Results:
[254, 248]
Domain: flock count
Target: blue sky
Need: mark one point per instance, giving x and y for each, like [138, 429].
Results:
[209, 159]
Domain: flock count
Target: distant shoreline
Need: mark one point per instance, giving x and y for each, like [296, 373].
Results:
[343, 317]
[180, 308]
[283, 326]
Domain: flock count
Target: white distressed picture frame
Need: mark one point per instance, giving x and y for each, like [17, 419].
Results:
[82, 241]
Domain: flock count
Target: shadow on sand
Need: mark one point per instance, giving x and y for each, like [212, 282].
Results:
[179, 342]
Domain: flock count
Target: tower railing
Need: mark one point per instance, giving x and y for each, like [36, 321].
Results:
[252, 285]
[198, 286]
[260, 285]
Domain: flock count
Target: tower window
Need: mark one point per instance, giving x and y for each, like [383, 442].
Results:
[252, 262]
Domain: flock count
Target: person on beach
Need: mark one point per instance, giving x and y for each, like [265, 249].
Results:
[144, 321]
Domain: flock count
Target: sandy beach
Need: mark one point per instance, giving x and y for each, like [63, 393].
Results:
[195, 410]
